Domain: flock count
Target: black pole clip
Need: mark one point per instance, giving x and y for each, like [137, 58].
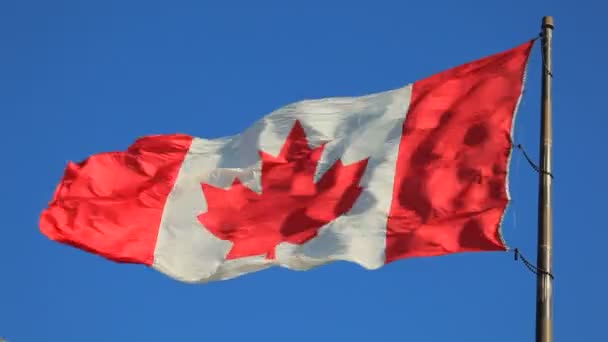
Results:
[532, 164]
[530, 266]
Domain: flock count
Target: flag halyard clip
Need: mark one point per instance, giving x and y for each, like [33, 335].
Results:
[532, 164]
[530, 266]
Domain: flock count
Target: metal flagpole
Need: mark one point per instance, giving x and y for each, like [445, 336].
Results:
[544, 291]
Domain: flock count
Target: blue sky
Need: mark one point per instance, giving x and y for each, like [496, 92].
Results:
[78, 78]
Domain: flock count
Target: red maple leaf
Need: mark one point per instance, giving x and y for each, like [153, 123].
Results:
[291, 207]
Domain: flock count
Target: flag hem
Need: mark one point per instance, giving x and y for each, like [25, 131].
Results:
[512, 137]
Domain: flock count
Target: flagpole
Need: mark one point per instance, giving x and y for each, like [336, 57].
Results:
[544, 291]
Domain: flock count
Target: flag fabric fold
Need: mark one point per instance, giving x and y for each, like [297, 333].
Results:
[416, 171]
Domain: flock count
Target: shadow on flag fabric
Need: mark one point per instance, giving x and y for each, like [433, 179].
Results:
[413, 172]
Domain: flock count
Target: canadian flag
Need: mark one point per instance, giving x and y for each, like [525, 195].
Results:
[416, 171]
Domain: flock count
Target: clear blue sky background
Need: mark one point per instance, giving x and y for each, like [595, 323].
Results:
[81, 77]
